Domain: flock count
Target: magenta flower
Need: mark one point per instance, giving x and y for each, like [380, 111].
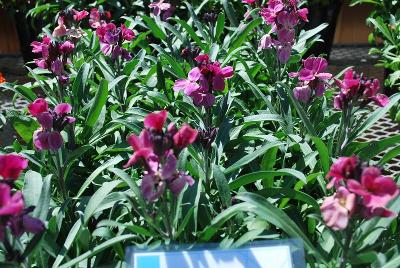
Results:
[54, 55]
[302, 93]
[202, 80]
[98, 18]
[11, 166]
[337, 209]
[359, 90]
[377, 191]
[312, 75]
[270, 13]
[184, 137]
[10, 204]
[162, 8]
[344, 168]
[111, 40]
[157, 150]
[48, 137]
[80, 15]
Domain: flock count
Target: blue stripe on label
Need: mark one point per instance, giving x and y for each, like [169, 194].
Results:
[148, 262]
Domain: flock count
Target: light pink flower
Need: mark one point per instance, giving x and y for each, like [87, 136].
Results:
[337, 209]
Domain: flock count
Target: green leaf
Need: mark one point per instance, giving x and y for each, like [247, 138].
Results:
[381, 26]
[43, 205]
[99, 101]
[110, 163]
[393, 263]
[390, 155]
[32, 188]
[260, 175]
[97, 198]
[220, 25]
[374, 148]
[230, 11]
[222, 185]
[323, 153]
[290, 193]
[253, 155]
[157, 32]
[96, 250]
[264, 209]
[243, 33]
[79, 85]
[67, 243]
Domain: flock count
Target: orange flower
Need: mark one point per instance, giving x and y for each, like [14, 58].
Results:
[2, 79]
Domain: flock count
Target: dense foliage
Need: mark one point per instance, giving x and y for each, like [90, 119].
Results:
[204, 127]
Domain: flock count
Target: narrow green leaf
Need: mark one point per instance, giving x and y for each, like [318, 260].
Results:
[99, 101]
[223, 186]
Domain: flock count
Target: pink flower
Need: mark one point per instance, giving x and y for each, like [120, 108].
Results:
[337, 209]
[80, 15]
[265, 42]
[376, 190]
[61, 29]
[127, 34]
[157, 150]
[143, 147]
[184, 137]
[11, 166]
[156, 121]
[303, 14]
[343, 169]
[162, 8]
[270, 13]
[48, 137]
[98, 18]
[359, 90]
[10, 204]
[38, 106]
[67, 47]
[314, 69]
[202, 80]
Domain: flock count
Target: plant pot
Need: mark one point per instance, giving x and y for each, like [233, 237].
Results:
[323, 13]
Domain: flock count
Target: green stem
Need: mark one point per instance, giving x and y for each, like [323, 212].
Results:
[60, 174]
[346, 247]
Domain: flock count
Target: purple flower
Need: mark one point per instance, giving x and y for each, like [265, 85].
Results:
[162, 8]
[202, 80]
[157, 150]
[48, 137]
[302, 93]
[270, 13]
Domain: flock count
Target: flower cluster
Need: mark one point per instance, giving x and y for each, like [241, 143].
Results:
[2, 79]
[52, 122]
[362, 191]
[13, 214]
[283, 16]
[359, 91]
[54, 56]
[203, 80]
[98, 18]
[157, 150]
[111, 38]
[68, 23]
[313, 79]
[163, 9]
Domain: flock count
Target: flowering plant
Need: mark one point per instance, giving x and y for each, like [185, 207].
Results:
[170, 125]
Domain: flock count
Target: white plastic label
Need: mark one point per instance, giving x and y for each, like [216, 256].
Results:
[278, 256]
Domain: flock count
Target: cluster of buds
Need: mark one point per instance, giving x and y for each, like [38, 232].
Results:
[111, 39]
[361, 191]
[54, 56]
[13, 214]
[203, 80]
[312, 79]
[52, 122]
[68, 23]
[162, 9]
[157, 150]
[358, 90]
[283, 16]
